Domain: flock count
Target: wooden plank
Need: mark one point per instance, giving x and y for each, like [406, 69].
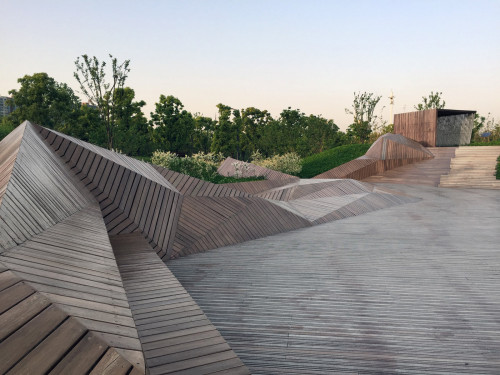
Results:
[82, 357]
[165, 317]
[28, 336]
[12, 319]
[13, 295]
[51, 349]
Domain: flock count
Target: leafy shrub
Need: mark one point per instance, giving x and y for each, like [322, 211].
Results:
[202, 166]
[316, 164]
[498, 168]
[289, 163]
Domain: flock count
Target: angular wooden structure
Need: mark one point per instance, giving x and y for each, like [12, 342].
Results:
[436, 127]
[83, 232]
[387, 152]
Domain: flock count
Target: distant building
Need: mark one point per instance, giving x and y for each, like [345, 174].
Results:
[6, 105]
[436, 127]
[89, 104]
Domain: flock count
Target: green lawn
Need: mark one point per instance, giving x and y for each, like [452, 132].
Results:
[316, 164]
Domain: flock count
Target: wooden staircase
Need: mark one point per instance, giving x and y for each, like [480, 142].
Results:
[473, 167]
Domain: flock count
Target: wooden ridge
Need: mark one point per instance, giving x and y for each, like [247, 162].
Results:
[37, 336]
[424, 172]
[176, 335]
[132, 195]
[387, 152]
[41, 192]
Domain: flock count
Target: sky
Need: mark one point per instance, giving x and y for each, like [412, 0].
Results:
[310, 55]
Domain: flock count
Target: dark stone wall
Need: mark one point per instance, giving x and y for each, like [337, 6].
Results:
[454, 130]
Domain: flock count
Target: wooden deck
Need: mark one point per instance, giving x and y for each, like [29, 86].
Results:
[176, 336]
[412, 289]
[425, 172]
[75, 302]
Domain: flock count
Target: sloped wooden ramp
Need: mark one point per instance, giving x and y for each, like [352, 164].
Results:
[425, 172]
[176, 336]
[387, 152]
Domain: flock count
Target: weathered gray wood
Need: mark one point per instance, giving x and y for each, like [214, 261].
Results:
[411, 289]
[164, 317]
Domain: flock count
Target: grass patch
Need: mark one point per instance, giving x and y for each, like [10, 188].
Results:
[490, 143]
[498, 168]
[218, 179]
[316, 164]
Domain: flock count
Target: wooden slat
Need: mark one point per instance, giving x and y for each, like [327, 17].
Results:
[419, 126]
[167, 319]
[408, 290]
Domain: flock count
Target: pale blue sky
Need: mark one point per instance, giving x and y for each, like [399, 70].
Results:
[269, 54]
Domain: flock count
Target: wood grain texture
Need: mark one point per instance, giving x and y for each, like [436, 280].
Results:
[132, 195]
[38, 336]
[80, 275]
[174, 331]
[424, 172]
[412, 289]
[419, 125]
[9, 147]
[41, 191]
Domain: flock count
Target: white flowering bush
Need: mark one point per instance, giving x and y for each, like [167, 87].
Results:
[289, 163]
[167, 159]
[242, 169]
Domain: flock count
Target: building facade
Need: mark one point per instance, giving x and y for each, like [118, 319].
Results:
[6, 105]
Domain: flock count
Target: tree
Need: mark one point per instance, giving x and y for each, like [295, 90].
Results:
[173, 126]
[203, 133]
[363, 109]
[224, 139]
[254, 121]
[320, 134]
[44, 101]
[133, 134]
[432, 101]
[91, 77]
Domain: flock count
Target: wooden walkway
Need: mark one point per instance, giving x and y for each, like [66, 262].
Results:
[119, 307]
[425, 172]
[408, 290]
[473, 167]
[176, 336]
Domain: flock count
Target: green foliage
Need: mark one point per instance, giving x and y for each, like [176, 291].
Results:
[42, 100]
[380, 131]
[6, 127]
[91, 76]
[329, 159]
[203, 133]
[132, 132]
[363, 109]
[289, 163]
[173, 126]
[486, 143]
[485, 125]
[498, 168]
[432, 101]
[225, 134]
[201, 165]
